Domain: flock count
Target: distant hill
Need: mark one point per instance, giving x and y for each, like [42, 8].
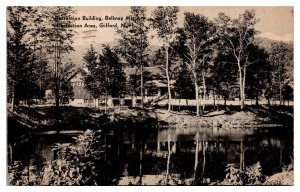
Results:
[266, 42]
[77, 55]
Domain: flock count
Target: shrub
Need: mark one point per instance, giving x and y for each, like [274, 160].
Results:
[80, 163]
[250, 176]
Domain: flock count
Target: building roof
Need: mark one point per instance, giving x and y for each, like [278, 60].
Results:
[78, 74]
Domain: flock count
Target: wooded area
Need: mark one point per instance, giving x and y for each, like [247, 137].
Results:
[204, 56]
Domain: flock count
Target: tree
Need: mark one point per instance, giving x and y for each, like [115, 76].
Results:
[238, 34]
[259, 73]
[105, 76]
[58, 37]
[281, 58]
[199, 35]
[91, 59]
[183, 85]
[133, 44]
[183, 82]
[164, 20]
[18, 56]
[224, 75]
[287, 93]
[65, 72]
[133, 83]
[25, 59]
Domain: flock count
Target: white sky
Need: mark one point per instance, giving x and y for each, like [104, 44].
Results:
[275, 22]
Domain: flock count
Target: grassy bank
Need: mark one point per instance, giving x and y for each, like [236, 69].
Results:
[251, 116]
[25, 119]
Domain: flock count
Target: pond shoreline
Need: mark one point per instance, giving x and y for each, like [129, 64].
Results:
[141, 122]
[249, 118]
[41, 119]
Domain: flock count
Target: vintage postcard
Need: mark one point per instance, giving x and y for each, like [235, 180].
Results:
[167, 95]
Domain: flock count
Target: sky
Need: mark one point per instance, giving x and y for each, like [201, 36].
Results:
[275, 22]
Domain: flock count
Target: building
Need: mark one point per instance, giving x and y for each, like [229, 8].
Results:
[155, 89]
[81, 96]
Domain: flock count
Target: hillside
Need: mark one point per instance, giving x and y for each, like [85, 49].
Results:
[80, 49]
[266, 42]
[77, 55]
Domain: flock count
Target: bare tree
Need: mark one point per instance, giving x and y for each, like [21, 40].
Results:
[237, 35]
[199, 33]
[164, 20]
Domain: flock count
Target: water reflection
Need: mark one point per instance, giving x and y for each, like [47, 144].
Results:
[156, 156]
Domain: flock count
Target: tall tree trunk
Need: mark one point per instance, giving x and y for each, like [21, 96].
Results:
[280, 85]
[168, 78]
[244, 82]
[241, 81]
[280, 94]
[218, 101]
[105, 103]
[56, 95]
[56, 63]
[142, 87]
[214, 99]
[204, 90]
[197, 99]
[196, 91]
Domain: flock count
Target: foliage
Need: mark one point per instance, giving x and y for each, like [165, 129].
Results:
[223, 78]
[25, 60]
[133, 44]
[183, 83]
[105, 74]
[250, 176]
[236, 35]
[18, 175]
[77, 162]
[258, 73]
[199, 32]
[287, 92]
[34, 35]
[281, 59]
[90, 79]
[112, 68]
[58, 39]
[164, 21]
[64, 74]
[81, 163]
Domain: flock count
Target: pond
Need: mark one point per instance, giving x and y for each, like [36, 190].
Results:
[144, 153]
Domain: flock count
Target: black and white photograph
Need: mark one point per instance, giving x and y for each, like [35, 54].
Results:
[150, 95]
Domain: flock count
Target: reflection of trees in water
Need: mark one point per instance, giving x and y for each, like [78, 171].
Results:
[139, 152]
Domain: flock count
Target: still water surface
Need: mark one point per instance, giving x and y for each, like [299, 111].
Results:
[208, 150]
